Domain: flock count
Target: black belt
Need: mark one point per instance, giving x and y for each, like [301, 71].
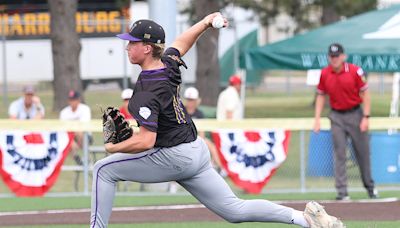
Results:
[347, 110]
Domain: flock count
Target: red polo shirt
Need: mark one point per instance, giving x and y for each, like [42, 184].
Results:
[344, 87]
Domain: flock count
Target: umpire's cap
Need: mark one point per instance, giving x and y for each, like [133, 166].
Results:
[145, 30]
[335, 49]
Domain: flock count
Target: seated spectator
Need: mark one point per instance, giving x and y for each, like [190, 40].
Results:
[192, 102]
[80, 112]
[126, 96]
[26, 107]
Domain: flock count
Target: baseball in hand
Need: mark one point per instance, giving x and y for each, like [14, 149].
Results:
[218, 22]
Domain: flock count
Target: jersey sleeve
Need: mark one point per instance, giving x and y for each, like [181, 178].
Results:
[361, 80]
[145, 108]
[172, 58]
[321, 85]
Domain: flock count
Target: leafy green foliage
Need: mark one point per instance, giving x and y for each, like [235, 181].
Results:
[305, 12]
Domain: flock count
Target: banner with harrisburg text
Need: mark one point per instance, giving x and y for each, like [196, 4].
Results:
[30, 162]
[251, 157]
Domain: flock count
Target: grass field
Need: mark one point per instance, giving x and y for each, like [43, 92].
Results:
[53, 203]
[258, 105]
[350, 224]
[79, 202]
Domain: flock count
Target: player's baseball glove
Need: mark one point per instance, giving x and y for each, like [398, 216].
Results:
[115, 128]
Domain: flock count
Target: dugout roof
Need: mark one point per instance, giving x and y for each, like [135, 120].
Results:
[371, 40]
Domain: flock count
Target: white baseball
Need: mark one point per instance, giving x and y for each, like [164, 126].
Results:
[218, 22]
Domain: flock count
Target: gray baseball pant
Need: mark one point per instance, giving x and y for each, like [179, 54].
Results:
[345, 125]
[189, 165]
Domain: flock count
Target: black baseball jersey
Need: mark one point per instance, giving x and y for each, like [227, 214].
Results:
[157, 106]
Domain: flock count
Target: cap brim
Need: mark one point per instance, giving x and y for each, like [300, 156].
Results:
[127, 36]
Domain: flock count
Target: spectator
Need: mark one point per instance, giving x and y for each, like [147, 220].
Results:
[347, 88]
[126, 96]
[229, 106]
[26, 107]
[192, 103]
[79, 112]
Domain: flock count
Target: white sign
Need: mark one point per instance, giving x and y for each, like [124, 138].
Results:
[389, 30]
[313, 77]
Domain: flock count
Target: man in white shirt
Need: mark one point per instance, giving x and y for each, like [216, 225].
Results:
[75, 110]
[26, 107]
[229, 105]
[80, 112]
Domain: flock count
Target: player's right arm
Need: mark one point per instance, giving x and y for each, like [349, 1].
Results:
[145, 110]
[319, 105]
[186, 40]
[319, 102]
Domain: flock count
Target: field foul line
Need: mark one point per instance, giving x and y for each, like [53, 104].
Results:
[188, 206]
[378, 200]
[141, 208]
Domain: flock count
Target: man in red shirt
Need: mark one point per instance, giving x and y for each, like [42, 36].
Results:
[347, 88]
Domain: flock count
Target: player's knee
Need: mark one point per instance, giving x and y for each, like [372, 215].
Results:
[98, 168]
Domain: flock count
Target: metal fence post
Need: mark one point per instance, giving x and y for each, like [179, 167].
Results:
[302, 163]
[85, 163]
[4, 63]
[125, 80]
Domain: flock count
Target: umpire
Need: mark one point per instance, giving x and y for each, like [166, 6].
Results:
[349, 98]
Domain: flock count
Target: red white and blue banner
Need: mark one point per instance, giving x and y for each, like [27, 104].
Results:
[30, 162]
[251, 157]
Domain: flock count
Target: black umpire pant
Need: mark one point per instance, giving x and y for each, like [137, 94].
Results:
[343, 125]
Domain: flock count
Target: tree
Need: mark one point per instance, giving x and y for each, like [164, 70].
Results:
[66, 48]
[303, 11]
[266, 10]
[207, 72]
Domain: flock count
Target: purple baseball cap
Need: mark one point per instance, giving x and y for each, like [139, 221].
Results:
[145, 30]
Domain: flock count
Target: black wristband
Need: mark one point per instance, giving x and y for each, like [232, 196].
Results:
[366, 116]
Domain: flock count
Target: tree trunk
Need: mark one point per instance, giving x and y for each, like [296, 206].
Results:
[66, 48]
[329, 14]
[207, 72]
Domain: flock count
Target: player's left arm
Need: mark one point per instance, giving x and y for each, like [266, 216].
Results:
[138, 142]
[186, 40]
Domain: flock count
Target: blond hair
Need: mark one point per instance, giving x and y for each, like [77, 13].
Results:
[158, 49]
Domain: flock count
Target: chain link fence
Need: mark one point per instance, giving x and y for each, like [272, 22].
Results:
[309, 166]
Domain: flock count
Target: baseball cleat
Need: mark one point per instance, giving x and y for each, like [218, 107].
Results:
[373, 193]
[317, 217]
